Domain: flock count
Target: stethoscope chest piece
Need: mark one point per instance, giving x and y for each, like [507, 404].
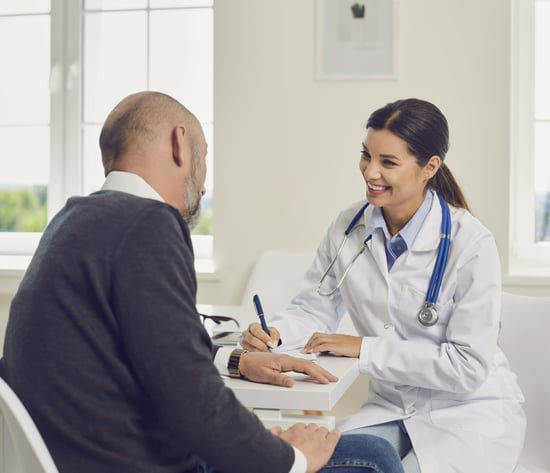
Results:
[428, 314]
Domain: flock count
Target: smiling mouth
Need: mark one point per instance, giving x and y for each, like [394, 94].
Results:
[376, 188]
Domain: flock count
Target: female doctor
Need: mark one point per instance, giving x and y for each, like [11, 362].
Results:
[420, 279]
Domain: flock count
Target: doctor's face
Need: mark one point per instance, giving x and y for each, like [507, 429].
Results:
[394, 179]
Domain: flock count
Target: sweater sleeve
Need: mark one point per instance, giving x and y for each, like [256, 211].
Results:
[153, 291]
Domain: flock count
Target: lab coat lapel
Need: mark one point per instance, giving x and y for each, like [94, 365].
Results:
[376, 245]
[379, 254]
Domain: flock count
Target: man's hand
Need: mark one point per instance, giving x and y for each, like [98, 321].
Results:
[269, 368]
[339, 344]
[316, 443]
[255, 339]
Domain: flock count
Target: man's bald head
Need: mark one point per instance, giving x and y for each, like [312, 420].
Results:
[137, 121]
[155, 137]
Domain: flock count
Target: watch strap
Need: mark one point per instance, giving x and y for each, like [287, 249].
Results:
[233, 363]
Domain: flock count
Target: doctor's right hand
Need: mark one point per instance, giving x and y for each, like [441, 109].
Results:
[255, 339]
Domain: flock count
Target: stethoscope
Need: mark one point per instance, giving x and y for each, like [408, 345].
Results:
[428, 313]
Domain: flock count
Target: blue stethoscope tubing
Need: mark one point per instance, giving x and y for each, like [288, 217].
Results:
[428, 313]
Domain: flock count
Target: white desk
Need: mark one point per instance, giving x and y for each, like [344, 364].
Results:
[270, 402]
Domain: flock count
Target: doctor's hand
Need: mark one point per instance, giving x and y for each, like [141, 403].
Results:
[255, 339]
[269, 368]
[339, 344]
[315, 442]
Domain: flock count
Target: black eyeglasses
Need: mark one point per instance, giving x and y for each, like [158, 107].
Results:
[218, 319]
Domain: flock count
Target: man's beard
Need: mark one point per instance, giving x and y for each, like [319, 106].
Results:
[192, 211]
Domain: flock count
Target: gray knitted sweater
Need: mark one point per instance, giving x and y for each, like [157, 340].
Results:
[106, 350]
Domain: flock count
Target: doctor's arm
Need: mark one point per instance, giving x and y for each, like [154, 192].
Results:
[309, 313]
[337, 343]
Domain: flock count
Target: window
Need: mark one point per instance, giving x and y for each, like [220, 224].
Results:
[24, 114]
[530, 222]
[70, 63]
[542, 121]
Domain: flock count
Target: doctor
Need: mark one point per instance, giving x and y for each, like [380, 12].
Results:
[420, 279]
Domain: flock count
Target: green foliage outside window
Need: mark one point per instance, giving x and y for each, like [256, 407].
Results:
[204, 227]
[23, 210]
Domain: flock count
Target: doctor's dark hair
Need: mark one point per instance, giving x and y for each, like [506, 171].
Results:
[425, 130]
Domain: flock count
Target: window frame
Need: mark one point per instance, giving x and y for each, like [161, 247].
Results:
[527, 258]
[66, 119]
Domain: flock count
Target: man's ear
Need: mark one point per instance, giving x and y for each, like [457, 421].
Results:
[432, 166]
[179, 135]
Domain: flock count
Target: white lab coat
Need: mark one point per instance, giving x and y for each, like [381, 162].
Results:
[450, 383]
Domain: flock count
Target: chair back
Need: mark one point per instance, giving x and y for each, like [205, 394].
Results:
[22, 443]
[277, 277]
[524, 337]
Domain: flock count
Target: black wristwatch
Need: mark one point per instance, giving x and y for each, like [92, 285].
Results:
[233, 364]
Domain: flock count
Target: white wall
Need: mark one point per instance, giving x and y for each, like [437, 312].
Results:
[287, 145]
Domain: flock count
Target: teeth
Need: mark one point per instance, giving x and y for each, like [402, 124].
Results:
[375, 188]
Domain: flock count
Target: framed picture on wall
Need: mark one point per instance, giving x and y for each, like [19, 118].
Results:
[355, 39]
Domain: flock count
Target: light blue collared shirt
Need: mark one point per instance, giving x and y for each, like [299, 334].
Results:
[402, 241]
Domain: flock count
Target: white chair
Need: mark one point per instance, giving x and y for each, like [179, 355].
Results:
[524, 337]
[277, 277]
[27, 448]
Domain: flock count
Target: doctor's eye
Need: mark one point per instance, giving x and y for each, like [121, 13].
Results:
[365, 154]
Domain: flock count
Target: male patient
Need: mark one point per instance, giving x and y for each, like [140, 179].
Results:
[104, 345]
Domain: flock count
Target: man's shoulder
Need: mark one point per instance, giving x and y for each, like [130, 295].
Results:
[107, 215]
[122, 206]
[112, 198]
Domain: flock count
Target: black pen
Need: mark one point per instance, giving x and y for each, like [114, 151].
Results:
[260, 312]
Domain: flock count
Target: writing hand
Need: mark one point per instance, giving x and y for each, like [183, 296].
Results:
[339, 344]
[255, 339]
[270, 368]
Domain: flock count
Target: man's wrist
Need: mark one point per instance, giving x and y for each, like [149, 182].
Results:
[233, 365]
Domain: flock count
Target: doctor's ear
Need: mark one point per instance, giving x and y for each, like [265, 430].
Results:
[432, 167]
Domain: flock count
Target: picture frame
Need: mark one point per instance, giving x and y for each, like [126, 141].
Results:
[355, 39]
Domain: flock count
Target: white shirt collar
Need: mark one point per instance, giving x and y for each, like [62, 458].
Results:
[131, 184]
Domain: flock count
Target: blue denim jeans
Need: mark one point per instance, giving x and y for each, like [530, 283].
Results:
[357, 453]
[364, 453]
[396, 434]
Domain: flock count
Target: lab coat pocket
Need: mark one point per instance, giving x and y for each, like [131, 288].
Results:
[410, 303]
[482, 417]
